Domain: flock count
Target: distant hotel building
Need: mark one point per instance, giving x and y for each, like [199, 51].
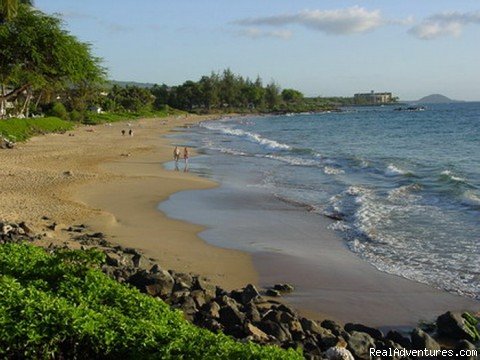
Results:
[373, 98]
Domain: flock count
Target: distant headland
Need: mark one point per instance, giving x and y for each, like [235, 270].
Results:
[436, 99]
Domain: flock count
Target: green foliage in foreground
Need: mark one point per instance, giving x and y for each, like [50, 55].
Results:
[60, 306]
[94, 118]
[22, 129]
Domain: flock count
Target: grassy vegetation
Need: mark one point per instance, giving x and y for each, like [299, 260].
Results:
[22, 129]
[60, 306]
[94, 118]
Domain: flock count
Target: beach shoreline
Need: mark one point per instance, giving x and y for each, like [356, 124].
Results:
[114, 183]
[291, 243]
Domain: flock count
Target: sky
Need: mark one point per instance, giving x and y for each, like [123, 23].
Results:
[411, 48]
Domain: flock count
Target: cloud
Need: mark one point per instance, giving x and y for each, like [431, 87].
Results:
[111, 27]
[444, 24]
[256, 33]
[333, 22]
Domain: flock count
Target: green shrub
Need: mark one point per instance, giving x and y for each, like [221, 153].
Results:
[62, 306]
[22, 129]
[76, 116]
[58, 110]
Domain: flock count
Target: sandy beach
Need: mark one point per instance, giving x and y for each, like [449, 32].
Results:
[113, 184]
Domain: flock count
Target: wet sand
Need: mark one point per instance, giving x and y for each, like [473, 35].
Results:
[290, 244]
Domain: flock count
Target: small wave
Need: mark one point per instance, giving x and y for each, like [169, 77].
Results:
[253, 137]
[451, 176]
[471, 198]
[292, 160]
[393, 170]
[332, 171]
[229, 151]
[404, 192]
[339, 226]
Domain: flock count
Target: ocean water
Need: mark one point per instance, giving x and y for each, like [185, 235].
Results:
[404, 187]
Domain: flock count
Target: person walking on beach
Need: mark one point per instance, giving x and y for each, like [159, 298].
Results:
[185, 155]
[123, 132]
[176, 154]
[130, 132]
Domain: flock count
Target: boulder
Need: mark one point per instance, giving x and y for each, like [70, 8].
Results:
[283, 288]
[335, 328]
[454, 326]
[255, 333]
[211, 310]
[5, 229]
[338, 353]
[199, 297]
[184, 279]
[245, 295]
[231, 316]
[374, 333]
[398, 338]
[155, 284]
[276, 330]
[140, 261]
[272, 293]
[421, 340]
[189, 308]
[200, 283]
[252, 312]
[359, 344]
[115, 259]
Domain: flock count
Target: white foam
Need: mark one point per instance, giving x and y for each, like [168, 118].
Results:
[452, 176]
[393, 170]
[253, 137]
[292, 160]
[471, 198]
[332, 171]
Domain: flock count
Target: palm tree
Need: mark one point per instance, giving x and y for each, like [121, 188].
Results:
[9, 8]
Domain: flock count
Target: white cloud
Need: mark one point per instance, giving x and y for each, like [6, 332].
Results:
[444, 24]
[111, 27]
[256, 33]
[335, 22]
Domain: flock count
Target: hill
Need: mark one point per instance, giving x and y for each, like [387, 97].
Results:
[435, 99]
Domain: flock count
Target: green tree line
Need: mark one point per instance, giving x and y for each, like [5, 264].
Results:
[46, 70]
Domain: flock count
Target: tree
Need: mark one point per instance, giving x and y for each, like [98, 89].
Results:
[272, 92]
[291, 95]
[9, 8]
[36, 53]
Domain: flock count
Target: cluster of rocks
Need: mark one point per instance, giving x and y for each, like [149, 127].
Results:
[11, 232]
[6, 144]
[250, 314]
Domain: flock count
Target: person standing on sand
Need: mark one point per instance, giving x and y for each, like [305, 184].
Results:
[176, 154]
[185, 155]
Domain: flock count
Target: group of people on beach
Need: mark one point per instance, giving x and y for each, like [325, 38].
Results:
[176, 157]
[130, 132]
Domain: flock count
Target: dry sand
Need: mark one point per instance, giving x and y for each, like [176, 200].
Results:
[113, 183]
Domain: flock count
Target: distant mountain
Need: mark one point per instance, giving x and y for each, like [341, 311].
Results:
[435, 99]
[131, 83]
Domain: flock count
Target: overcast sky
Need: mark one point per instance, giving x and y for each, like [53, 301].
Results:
[412, 48]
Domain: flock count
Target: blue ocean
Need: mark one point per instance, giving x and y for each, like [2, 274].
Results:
[402, 186]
